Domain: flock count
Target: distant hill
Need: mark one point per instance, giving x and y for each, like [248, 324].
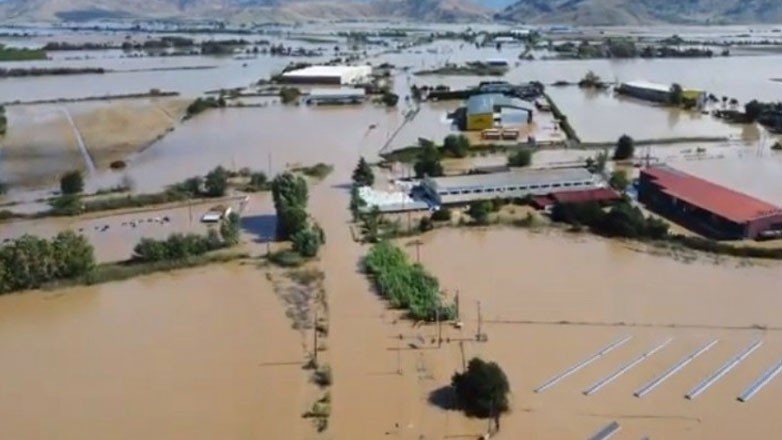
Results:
[640, 12]
[265, 10]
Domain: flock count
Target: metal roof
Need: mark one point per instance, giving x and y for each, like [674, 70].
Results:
[646, 85]
[346, 92]
[510, 178]
[325, 71]
[725, 202]
[477, 104]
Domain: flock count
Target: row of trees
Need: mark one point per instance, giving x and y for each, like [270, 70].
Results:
[181, 246]
[405, 285]
[29, 261]
[290, 196]
[622, 220]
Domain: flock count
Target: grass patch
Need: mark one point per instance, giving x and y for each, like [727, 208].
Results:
[318, 171]
[20, 54]
[286, 258]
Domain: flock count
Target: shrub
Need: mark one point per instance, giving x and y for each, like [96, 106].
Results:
[619, 180]
[362, 174]
[456, 145]
[425, 224]
[306, 242]
[442, 215]
[216, 182]
[404, 285]
[479, 211]
[322, 376]
[521, 158]
[286, 258]
[72, 182]
[390, 99]
[289, 95]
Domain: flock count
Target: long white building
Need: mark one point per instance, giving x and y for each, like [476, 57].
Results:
[336, 75]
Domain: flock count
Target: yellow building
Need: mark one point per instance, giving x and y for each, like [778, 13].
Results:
[480, 110]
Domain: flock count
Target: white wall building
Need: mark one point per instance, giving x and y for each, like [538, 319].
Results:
[336, 75]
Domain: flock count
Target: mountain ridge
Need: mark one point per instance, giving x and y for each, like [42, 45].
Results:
[268, 10]
[642, 12]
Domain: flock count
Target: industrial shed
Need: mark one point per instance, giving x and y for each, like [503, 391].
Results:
[505, 185]
[482, 108]
[705, 207]
[335, 96]
[334, 75]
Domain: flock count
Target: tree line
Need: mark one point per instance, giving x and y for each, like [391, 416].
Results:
[290, 195]
[30, 262]
[405, 285]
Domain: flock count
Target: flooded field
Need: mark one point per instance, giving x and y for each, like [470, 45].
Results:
[209, 353]
[49, 140]
[540, 322]
[184, 356]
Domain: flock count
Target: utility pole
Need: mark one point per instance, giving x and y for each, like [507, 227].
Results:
[439, 328]
[479, 336]
[456, 303]
[315, 337]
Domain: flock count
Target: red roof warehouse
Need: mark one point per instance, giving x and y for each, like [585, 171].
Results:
[706, 207]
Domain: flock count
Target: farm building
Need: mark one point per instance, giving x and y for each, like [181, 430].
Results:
[655, 92]
[509, 184]
[705, 207]
[482, 110]
[335, 96]
[336, 75]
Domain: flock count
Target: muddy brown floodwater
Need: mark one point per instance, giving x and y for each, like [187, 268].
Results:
[200, 354]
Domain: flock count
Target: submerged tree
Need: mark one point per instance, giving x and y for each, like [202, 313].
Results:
[428, 163]
[625, 148]
[362, 174]
[216, 182]
[72, 182]
[456, 145]
[521, 158]
[482, 390]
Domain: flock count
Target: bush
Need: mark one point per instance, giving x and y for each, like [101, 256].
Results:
[290, 200]
[456, 145]
[180, 246]
[72, 182]
[521, 158]
[482, 390]
[404, 285]
[67, 204]
[428, 163]
[306, 242]
[479, 211]
[289, 95]
[442, 215]
[625, 147]
[322, 376]
[425, 224]
[390, 99]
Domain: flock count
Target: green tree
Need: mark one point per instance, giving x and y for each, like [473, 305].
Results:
[289, 189]
[67, 204]
[752, 110]
[625, 148]
[428, 163]
[390, 99]
[521, 158]
[677, 94]
[258, 180]
[290, 220]
[73, 255]
[482, 390]
[479, 211]
[306, 242]
[362, 174]
[191, 186]
[456, 145]
[72, 182]
[356, 203]
[230, 229]
[216, 182]
[619, 180]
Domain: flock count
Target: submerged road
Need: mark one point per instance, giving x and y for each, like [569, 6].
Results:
[79, 140]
